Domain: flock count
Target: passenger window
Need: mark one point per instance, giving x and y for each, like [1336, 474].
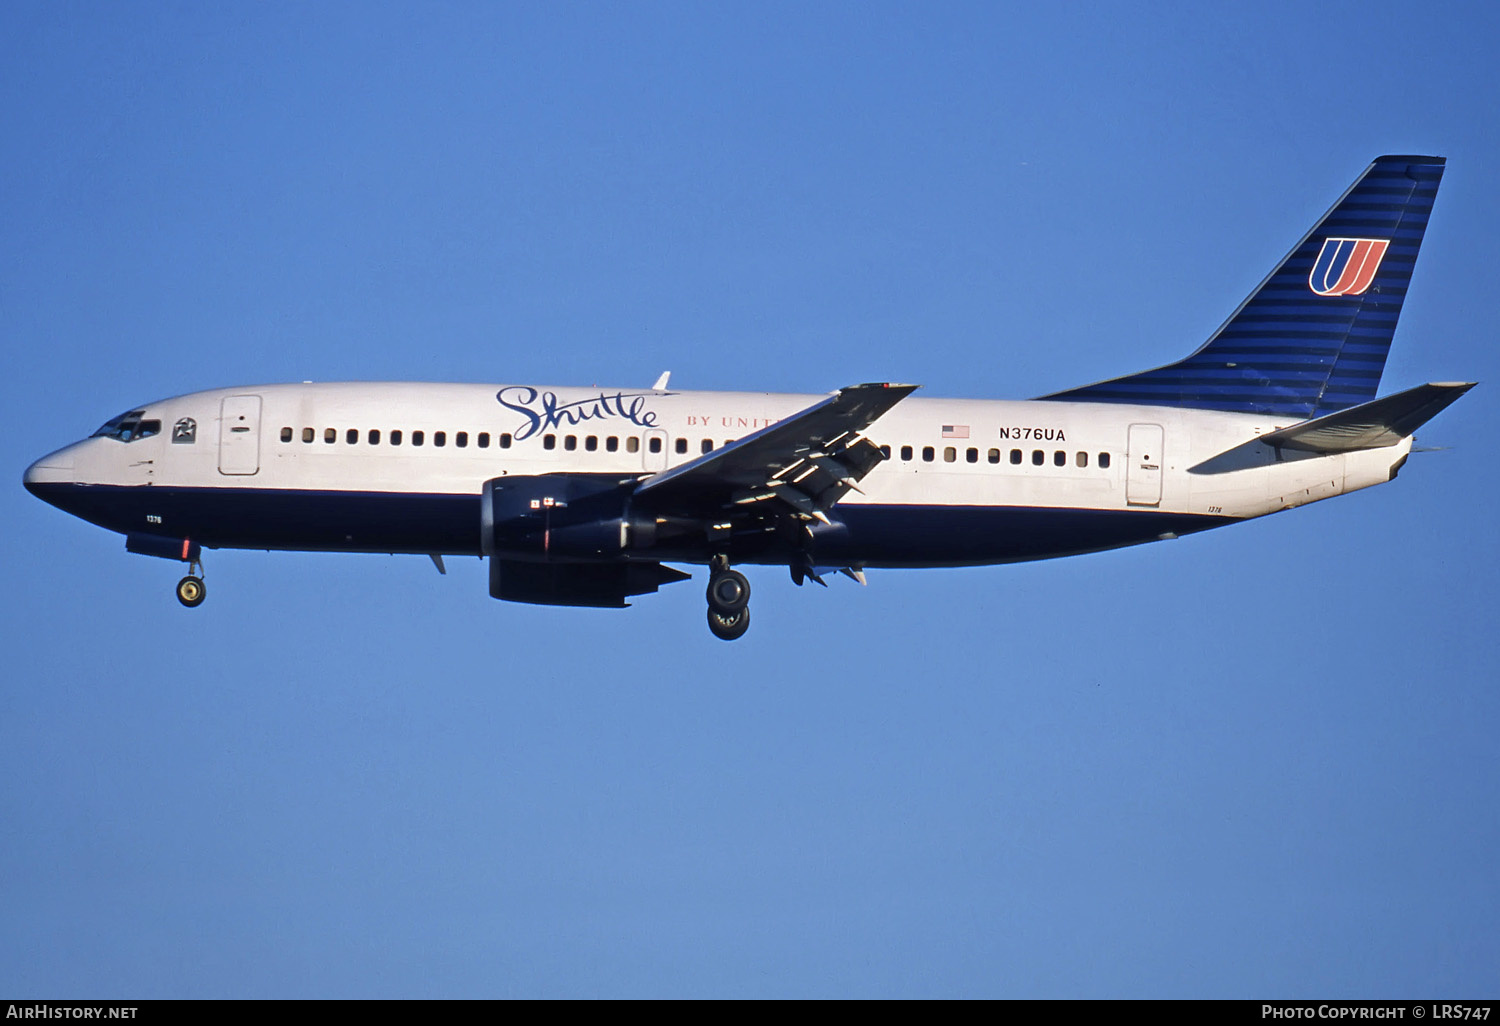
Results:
[655, 445]
[396, 436]
[972, 455]
[949, 454]
[286, 434]
[374, 438]
[417, 437]
[1104, 460]
[1038, 457]
[707, 446]
[570, 442]
[1060, 458]
[330, 435]
[440, 438]
[906, 453]
[885, 452]
[612, 443]
[549, 441]
[351, 437]
[1083, 459]
[591, 443]
[928, 454]
[632, 444]
[681, 446]
[994, 455]
[483, 441]
[307, 434]
[1015, 457]
[505, 440]
[461, 439]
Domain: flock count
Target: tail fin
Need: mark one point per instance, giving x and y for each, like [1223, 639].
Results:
[1313, 337]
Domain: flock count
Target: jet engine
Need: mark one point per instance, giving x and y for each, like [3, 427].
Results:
[569, 540]
[563, 518]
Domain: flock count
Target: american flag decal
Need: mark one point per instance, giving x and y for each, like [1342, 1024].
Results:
[955, 431]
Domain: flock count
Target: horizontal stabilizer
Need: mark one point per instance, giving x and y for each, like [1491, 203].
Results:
[1372, 425]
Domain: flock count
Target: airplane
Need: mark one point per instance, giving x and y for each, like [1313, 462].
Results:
[583, 496]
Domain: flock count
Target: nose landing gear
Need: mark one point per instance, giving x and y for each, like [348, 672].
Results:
[728, 626]
[191, 590]
[728, 600]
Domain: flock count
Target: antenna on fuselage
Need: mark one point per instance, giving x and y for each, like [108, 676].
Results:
[661, 382]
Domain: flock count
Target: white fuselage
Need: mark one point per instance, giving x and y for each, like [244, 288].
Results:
[403, 466]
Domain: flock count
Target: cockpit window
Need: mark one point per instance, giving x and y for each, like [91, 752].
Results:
[128, 427]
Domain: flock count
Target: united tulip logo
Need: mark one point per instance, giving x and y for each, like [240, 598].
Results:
[1346, 267]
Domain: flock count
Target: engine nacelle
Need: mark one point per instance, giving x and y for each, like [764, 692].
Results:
[563, 517]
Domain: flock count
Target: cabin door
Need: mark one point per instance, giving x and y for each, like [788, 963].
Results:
[1143, 463]
[239, 435]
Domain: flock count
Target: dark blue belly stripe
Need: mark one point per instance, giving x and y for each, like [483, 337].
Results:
[868, 535]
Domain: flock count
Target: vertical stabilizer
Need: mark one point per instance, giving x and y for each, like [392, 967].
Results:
[1313, 337]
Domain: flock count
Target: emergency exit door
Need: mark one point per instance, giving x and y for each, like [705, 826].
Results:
[654, 451]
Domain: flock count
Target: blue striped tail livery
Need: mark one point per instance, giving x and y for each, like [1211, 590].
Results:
[1313, 338]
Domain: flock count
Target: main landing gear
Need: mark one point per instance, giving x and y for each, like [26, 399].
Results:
[191, 590]
[728, 600]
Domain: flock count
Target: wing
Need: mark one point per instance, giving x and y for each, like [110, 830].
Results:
[800, 466]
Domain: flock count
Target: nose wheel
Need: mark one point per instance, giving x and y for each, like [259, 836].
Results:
[191, 590]
[728, 601]
[728, 626]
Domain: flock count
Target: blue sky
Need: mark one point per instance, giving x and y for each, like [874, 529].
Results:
[1255, 762]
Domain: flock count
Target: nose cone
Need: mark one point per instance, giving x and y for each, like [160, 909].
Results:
[53, 469]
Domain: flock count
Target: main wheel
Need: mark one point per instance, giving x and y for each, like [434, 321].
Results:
[728, 627]
[191, 592]
[728, 592]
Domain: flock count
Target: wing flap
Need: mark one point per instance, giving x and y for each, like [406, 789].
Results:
[805, 463]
